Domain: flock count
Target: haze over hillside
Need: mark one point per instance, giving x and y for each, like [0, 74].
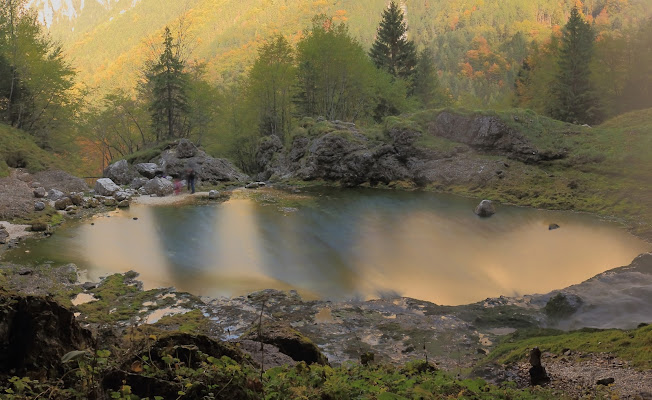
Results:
[478, 45]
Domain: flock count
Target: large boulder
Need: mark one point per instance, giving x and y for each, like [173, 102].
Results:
[54, 194]
[120, 172]
[207, 168]
[106, 187]
[35, 333]
[159, 187]
[149, 170]
[137, 183]
[185, 149]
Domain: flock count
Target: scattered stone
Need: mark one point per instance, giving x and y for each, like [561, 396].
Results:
[25, 271]
[39, 206]
[71, 207]
[35, 185]
[123, 204]
[77, 198]
[40, 192]
[62, 203]
[54, 194]
[138, 183]
[89, 285]
[106, 187]
[135, 218]
[552, 227]
[213, 194]
[485, 209]
[538, 375]
[482, 351]
[605, 381]
[121, 195]
[255, 185]
[110, 202]
[92, 203]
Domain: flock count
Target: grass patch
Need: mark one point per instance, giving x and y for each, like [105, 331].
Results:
[634, 346]
[190, 322]
[18, 150]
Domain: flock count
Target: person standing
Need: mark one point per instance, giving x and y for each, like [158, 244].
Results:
[191, 179]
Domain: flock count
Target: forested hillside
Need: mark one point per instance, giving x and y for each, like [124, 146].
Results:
[478, 46]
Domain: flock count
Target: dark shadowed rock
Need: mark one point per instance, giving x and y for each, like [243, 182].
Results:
[120, 172]
[265, 355]
[35, 333]
[538, 375]
[106, 187]
[39, 227]
[137, 183]
[148, 170]
[289, 341]
[552, 227]
[185, 149]
[605, 381]
[485, 209]
[268, 146]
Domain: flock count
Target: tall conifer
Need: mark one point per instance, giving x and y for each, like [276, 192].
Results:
[392, 51]
[574, 98]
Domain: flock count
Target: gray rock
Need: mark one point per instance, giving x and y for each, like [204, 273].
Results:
[91, 202]
[185, 149]
[138, 183]
[207, 169]
[121, 195]
[267, 148]
[148, 170]
[54, 194]
[120, 172]
[159, 187]
[39, 206]
[40, 192]
[485, 209]
[71, 207]
[123, 204]
[255, 185]
[35, 185]
[110, 202]
[62, 203]
[106, 187]
[553, 227]
[4, 235]
[213, 194]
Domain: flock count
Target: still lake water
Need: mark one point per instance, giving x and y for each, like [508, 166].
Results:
[360, 243]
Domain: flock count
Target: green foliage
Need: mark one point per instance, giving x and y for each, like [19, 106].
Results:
[427, 88]
[392, 51]
[574, 97]
[18, 150]
[630, 345]
[271, 84]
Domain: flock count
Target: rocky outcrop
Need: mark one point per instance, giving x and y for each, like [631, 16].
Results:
[106, 187]
[148, 170]
[120, 172]
[35, 333]
[185, 149]
[207, 168]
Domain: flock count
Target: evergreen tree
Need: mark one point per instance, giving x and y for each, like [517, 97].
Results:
[574, 98]
[392, 51]
[167, 83]
[427, 88]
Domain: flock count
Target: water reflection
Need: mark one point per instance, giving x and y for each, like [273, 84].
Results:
[347, 243]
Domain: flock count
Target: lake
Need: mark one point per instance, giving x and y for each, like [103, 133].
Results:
[342, 243]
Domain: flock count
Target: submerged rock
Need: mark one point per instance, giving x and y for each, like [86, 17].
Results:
[485, 209]
[552, 227]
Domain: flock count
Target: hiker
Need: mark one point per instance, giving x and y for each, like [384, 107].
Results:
[191, 179]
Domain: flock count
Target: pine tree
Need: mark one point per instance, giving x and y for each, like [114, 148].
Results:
[574, 98]
[167, 83]
[427, 88]
[392, 51]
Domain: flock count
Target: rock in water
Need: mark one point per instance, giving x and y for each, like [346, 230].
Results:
[485, 209]
[185, 149]
[106, 187]
[552, 227]
[159, 187]
[213, 194]
[120, 172]
[538, 375]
